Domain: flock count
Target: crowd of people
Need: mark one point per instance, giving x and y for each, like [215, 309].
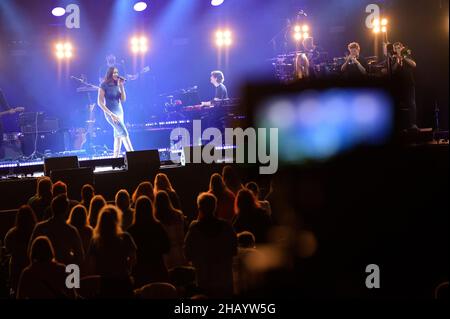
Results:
[140, 245]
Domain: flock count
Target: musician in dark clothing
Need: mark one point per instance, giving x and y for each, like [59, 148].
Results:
[402, 74]
[355, 67]
[221, 92]
[217, 80]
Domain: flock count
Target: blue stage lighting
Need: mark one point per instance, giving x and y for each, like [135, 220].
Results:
[216, 2]
[58, 11]
[140, 6]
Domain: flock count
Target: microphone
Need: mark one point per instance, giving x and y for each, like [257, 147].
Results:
[122, 78]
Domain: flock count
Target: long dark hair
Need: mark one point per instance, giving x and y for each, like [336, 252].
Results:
[143, 215]
[164, 211]
[109, 76]
[217, 185]
[25, 221]
[108, 226]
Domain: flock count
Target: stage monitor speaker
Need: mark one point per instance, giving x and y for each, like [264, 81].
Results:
[53, 163]
[142, 161]
[74, 178]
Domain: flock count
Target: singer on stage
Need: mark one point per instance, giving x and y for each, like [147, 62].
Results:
[110, 97]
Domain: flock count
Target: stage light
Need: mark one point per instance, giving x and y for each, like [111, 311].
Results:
[64, 50]
[216, 3]
[380, 26]
[139, 44]
[58, 11]
[223, 38]
[300, 32]
[140, 6]
[143, 48]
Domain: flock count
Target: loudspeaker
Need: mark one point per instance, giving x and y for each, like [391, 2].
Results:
[53, 142]
[142, 161]
[54, 163]
[75, 178]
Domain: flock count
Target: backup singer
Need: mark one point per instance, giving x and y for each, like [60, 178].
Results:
[110, 97]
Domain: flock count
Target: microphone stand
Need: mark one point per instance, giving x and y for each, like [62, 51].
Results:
[84, 82]
[90, 147]
[35, 155]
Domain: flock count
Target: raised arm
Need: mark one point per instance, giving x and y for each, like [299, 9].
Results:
[123, 95]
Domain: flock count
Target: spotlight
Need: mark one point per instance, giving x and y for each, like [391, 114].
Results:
[301, 32]
[223, 38]
[216, 3]
[64, 50]
[380, 25]
[140, 6]
[139, 44]
[58, 11]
